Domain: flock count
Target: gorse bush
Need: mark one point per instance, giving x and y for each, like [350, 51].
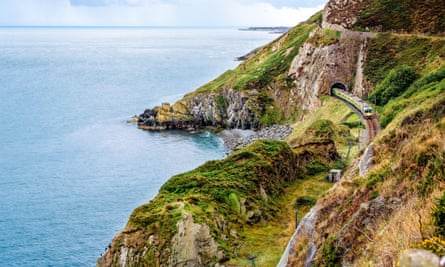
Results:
[434, 244]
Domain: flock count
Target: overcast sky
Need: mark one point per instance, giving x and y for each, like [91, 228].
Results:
[156, 12]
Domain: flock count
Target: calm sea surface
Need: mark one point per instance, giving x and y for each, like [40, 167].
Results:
[71, 168]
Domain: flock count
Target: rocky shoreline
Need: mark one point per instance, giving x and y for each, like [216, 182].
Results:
[235, 139]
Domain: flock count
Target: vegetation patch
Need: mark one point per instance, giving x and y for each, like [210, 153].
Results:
[388, 51]
[438, 214]
[325, 37]
[403, 16]
[266, 66]
[397, 81]
[233, 196]
[331, 253]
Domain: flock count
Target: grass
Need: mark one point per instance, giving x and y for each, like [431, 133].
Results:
[267, 65]
[245, 199]
[387, 51]
[347, 124]
[325, 37]
[404, 16]
[267, 241]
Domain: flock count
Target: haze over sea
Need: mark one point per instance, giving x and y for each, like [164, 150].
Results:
[71, 168]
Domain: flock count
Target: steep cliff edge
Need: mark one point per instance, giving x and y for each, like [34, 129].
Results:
[199, 218]
[280, 82]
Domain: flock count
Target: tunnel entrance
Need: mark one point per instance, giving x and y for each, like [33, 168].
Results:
[338, 85]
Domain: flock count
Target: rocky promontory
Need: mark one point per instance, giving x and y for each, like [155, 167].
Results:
[227, 109]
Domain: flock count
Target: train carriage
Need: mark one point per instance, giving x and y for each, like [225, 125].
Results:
[357, 102]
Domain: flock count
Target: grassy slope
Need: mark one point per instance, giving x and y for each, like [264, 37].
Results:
[410, 154]
[269, 64]
[423, 16]
[227, 191]
[347, 125]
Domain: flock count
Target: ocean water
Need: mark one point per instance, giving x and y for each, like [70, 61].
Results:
[71, 168]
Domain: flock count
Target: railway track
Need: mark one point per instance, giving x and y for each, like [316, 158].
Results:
[371, 122]
[372, 128]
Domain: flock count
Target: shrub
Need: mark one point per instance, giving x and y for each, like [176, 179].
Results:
[423, 83]
[321, 129]
[438, 215]
[397, 81]
[331, 253]
[434, 244]
[305, 201]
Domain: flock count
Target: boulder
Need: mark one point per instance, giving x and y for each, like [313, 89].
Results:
[418, 258]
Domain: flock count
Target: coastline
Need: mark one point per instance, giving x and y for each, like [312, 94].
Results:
[235, 139]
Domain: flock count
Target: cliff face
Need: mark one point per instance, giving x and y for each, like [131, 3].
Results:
[367, 221]
[227, 108]
[258, 94]
[323, 62]
[341, 15]
[200, 217]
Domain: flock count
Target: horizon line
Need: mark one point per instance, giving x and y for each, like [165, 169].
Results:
[145, 26]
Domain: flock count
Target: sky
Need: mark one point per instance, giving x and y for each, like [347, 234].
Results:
[157, 12]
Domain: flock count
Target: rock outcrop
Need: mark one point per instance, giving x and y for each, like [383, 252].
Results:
[418, 258]
[199, 217]
[312, 72]
[228, 109]
[318, 67]
[343, 14]
[415, 16]
[192, 245]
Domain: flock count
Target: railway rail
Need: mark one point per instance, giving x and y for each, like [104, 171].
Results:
[363, 109]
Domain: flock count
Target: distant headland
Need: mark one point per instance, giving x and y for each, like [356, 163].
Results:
[279, 30]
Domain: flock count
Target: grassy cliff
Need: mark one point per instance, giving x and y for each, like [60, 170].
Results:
[399, 199]
[243, 200]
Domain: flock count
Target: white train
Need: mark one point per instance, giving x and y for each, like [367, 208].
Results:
[357, 102]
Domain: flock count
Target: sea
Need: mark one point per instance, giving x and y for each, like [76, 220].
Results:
[71, 168]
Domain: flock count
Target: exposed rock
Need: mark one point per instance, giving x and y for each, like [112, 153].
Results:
[365, 163]
[235, 139]
[303, 234]
[342, 14]
[363, 223]
[229, 109]
[316, 68]
[192, 245]
[418, 258]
